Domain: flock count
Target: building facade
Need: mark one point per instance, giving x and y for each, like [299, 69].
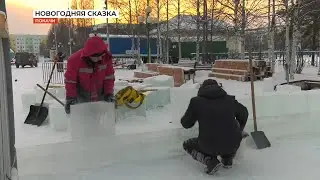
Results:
[26, 43]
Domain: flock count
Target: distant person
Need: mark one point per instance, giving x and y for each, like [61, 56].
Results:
[61, 57]
[90, 74]
[221, 120]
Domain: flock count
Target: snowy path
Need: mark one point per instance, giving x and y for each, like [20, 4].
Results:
[293, 159]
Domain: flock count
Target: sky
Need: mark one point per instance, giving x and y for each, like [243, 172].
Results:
[20, 15]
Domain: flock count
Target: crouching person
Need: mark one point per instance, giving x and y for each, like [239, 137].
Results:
[221, 121]
[90, 74]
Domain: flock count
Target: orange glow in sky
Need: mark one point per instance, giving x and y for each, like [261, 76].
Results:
[20, 14]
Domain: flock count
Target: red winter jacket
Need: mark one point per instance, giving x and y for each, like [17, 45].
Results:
[89, 81]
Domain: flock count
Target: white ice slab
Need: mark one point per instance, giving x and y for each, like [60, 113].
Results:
[121, 83]
[268, 85]
[180, 99]
[278, 104]
[123, 112]
[288, 88]
[61, 93]
[27, 99]
[58, 118]
[92, 120]
[161, 80]
[40, 94]
[158, 98]
[313, 100]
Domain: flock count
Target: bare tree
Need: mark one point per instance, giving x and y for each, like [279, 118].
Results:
[243, 15]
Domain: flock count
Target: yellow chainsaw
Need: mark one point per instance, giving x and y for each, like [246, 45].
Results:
[129, 96]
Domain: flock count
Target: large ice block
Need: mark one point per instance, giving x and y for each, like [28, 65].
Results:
[40, 94]
[92, 120]
[288, 88]
[158, 98]
[313, 100]
[268, 85]
[180, 98]
[121, 83]
[123, 112]
[58, 119]
[277, 104]
[292, 103]
[27, 99]
[61, 93]
[161, 80]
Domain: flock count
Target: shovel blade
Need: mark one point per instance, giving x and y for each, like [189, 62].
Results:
[260, 139]
[35, 118]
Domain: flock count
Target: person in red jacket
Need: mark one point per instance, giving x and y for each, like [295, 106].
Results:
[90, 74]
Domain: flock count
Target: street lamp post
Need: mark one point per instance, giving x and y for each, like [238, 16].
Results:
[107, 24]
[140, 21]
[71, 43]
[148, 21]
[55, 38]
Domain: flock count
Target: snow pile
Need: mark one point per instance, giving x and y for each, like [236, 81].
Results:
[161, 80]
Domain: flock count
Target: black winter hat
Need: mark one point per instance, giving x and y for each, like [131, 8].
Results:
[209, 82]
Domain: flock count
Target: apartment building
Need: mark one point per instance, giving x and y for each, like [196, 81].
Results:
[26, 43]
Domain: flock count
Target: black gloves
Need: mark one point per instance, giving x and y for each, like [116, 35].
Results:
[109, 98]
[69, 101]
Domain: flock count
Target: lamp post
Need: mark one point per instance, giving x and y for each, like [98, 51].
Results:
[140, 21]
[71, 43]
[148, 20]
[55, 38]
[107, 24]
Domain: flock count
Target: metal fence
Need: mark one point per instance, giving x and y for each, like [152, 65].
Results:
[58, 73]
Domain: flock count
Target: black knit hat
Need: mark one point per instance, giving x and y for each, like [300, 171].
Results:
[209, 82]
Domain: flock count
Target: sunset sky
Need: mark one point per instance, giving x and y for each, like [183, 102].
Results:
[20, 14]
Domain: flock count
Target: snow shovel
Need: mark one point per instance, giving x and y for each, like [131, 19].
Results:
[51, 95]
[37, 113]
[258, 137]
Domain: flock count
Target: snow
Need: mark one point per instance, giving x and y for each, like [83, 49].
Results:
[151, 148]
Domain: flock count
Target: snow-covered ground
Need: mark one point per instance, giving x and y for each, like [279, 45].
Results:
[152, 149]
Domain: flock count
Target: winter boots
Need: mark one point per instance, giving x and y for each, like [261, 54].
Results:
[227, 162]
[213, 166]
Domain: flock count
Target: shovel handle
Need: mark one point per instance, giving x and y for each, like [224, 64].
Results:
[51, 94]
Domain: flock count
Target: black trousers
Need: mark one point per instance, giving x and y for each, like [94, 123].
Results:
[191, 146]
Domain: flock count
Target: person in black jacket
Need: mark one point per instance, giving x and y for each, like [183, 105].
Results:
[221, 120]
[61, 57]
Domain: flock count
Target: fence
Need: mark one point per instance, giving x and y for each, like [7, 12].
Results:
[58, 73]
